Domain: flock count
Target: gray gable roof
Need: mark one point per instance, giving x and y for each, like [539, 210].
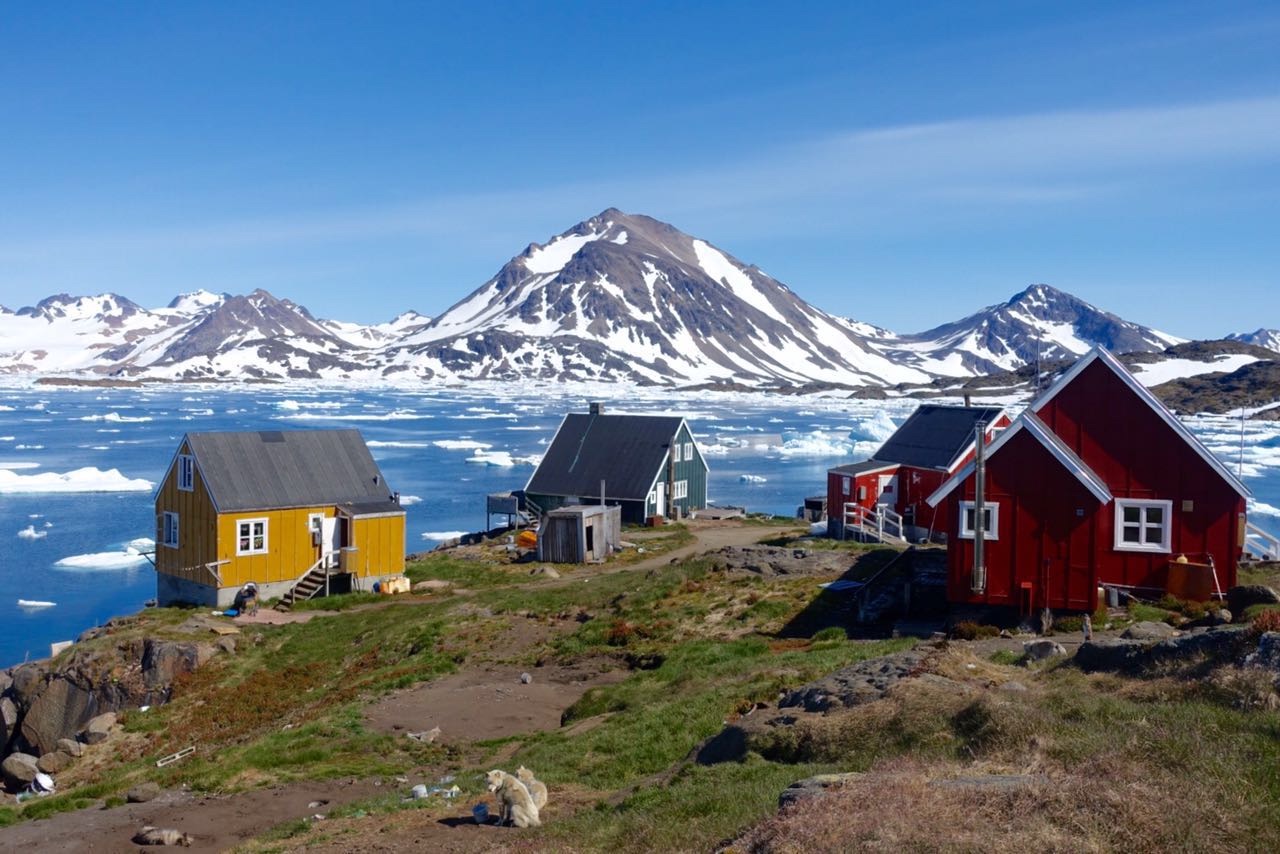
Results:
[287, 468]
[935, 436]
[625, 451]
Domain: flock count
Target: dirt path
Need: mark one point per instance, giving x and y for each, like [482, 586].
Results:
[216, 823]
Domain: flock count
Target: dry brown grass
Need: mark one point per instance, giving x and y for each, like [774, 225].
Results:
[1099, 806]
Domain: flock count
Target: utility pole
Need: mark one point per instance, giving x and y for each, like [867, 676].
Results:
[979, 584]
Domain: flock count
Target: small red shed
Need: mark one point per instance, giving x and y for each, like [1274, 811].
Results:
[930, 446]
[1096, 484]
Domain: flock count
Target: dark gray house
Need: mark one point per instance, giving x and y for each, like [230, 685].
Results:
[649, 465]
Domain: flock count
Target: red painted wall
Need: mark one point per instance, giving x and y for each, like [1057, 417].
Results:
[1138, 455]
[837, 496]
[1047, 531]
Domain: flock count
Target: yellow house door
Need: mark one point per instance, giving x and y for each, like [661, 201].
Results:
[329, 544]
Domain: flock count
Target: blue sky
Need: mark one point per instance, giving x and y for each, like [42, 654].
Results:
[902, 164]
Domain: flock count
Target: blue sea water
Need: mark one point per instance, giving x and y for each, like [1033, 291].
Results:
[766, 453]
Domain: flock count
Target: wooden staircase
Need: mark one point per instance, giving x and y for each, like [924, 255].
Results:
[879, 525]
[309, 583]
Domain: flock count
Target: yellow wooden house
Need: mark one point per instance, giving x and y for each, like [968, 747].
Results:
[297, 512]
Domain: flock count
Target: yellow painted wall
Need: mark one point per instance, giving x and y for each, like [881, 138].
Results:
[379, 543]
[197, 528]
[289, 546]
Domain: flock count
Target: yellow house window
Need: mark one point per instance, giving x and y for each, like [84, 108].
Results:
[186, 472]
[170, 538]
[251, 536]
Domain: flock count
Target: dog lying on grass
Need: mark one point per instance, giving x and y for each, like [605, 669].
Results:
[537, 789]
[518, 807]
[162, 836]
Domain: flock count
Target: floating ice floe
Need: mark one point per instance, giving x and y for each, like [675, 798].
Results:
[1262, 508]
[141, 544]
[441, 536]
[88, 479]
[377, 443]
[35, 604]
[462, 445]
[503, 459]
[816, 443]
[406, 500]
[752, 478]
[127, 559]
[116, 418]
[28, 447]
[877, 428]
[398, 415]
[296, 405]
[30, 533]
[10, 465]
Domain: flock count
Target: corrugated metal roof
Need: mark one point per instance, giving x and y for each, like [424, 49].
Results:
[291, 468]
[625, 451]
[935, 436]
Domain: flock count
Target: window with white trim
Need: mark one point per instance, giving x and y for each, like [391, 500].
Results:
[169, 537]
[688, 451]
[862, 493]
[1143, 525]
[990, 520]
[675, 453]
[845, 483]
[680, 489]
[251, 536]
[186, 472]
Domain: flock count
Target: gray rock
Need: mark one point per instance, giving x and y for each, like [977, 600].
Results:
[227, 645]
[769, 561]
[525, 678]
[71, 747]
[1239, 598]
[98, 729]
[163, 661]
[142, 793]
[27, 682]
[1135, 656]
[54, 763]
[1221, 617]
[59, 711]
[431, 585]
[856, 684]
[548, 571]
[1013, 687]
[1267, 655]
[813, 787]
[8, 720]
[5, 681]
[18, 770]
[1147, 630]
[1039, 650]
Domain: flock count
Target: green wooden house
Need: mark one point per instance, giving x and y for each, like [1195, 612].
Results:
[649, 465]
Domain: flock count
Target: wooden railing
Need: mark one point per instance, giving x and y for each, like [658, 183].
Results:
[1260, 544]
[882, 523]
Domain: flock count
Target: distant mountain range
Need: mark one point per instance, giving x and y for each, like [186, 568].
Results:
[618, 297]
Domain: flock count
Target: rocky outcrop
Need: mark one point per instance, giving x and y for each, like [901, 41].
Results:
[1239, 598]
[43, 706]
[856, 684]
[1136, 656]
[1147, 631]
[1040, 650]
[770, 561]
[18, 770]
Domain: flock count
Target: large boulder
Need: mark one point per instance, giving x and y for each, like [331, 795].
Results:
[1040, 650]
[856, 684]
[1267, 655]
[18, 770]
[1239, 598]
[27, 682]
[142, 793]
[54, 763]
[59, 711]
[8, 721]
[98, 729]
[163, 661]
[71, 747]
[5, 681]
[1147, 630]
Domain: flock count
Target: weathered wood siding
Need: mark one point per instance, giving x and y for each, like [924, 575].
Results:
[379, 544]
[197, 527]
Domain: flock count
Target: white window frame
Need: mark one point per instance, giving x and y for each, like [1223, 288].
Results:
[675, 452]
[266, 543]
[688, 451]
[679, 489]
[966, 529]
[846, 484]
[186, 472]
[1144, 545]
[169, 530]
[862, 492]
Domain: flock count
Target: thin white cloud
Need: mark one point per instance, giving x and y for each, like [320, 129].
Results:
[1033, 159]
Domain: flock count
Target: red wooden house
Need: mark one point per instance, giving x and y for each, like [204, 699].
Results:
[1096, 484]
[928, 448]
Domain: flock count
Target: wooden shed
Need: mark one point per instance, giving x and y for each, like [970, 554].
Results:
[580, 534]
[1096, 484]
[277, 508]
[649, 465]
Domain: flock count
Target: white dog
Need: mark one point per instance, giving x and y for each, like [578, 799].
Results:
[537, 788]
[518, 807]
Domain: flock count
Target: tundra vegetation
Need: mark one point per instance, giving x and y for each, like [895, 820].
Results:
[1184, 758]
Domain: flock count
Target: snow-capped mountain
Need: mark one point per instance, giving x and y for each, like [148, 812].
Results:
[1269, 338]
[1041, 323]
[618, 297]
[628, 297]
